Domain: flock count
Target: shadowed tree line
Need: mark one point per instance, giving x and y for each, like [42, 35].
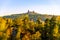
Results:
[23, 28]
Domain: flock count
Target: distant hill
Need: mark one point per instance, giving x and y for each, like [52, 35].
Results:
[32, 15]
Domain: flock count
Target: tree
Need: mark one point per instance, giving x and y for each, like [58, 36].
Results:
[53, 22]
[36, 36]
[2, 24]
[55, 32]
[27, 36]
[26, 22]
[31, 26]
[47, 29]
[39, 22]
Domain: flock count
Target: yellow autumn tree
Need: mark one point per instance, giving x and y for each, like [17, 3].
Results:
[36, 36]
[27, 36]
[2, 24]
[55, 31]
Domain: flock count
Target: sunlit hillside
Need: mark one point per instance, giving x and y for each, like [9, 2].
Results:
[30, 26]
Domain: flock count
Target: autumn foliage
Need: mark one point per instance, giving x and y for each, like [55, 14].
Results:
[23, 28]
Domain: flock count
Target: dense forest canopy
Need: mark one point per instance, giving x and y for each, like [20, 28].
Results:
[26, 28]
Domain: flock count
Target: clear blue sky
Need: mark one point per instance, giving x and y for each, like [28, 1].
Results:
[8, 7]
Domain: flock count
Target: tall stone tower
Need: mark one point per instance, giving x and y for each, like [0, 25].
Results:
[28, 11]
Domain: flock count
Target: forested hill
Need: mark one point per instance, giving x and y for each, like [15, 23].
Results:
[32, 15]
[30, 26]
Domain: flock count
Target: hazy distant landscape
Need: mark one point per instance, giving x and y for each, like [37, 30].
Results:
[31, 14]
[29, 19]
[30, 26]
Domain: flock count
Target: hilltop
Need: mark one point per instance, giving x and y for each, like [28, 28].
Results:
[32, 15]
